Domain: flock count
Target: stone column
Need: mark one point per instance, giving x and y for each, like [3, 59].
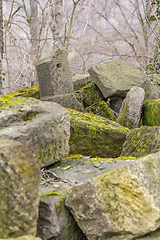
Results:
[55, 81]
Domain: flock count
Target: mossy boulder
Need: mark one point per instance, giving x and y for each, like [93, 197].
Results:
[121, 204]
[151, 113]
[19, 189]
[55, 220]
[29, 237]
[101, 108]
[44, 127]
[94, 135]
[142, 141]
[89, 94]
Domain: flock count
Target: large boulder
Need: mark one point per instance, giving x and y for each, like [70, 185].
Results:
[55, 221]
[121, 204]
[130, 113]
[151, 113]
[44, 127]
[116, 78]
[142, 141]
[94, 135]
[19, 190]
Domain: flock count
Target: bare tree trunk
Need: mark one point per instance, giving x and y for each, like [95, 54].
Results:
[34, 31]
[1, 43]
[56, 24]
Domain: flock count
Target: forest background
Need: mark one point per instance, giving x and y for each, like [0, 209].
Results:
[93, 31]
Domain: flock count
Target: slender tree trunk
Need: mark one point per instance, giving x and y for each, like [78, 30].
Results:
[1, 43]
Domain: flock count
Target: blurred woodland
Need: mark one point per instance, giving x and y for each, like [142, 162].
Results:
[93, 31]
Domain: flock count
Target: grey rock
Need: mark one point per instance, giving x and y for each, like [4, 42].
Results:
[19, 190]
[151, 91]
[116, 78]
[121, 204]
[79, 81]
[43, 127]
[55, 78]
[130, 112]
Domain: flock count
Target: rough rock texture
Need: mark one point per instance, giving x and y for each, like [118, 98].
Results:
[151, 91]
[101, 108]
[94, 135]
[121, 204]
[151, 113]
[55, 221]
[44, 127]
[19, 190]
[142, 141]
[130, 113]
[89, 95]
[116, 78]
[23, 238]
[55, 79]
[79, 81]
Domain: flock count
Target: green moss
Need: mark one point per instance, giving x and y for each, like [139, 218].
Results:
[121, 158]
[59, 205]
[151, 113]
[73, 156]
[49, 194]
[101, 109]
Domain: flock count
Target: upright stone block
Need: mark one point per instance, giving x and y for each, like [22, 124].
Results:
[19, 190]
[55, 81]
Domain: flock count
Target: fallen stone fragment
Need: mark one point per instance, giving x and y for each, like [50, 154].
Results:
[19, 190]
[121, 204]
[130, 112]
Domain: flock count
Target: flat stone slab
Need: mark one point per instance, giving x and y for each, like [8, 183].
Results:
[43, 127]
[116, 78]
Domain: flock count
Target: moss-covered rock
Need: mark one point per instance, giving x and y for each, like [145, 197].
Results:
[151, 113]
[101, 108]
[79, 81]
[142, 141]
[121, 204]
[89, 94]
[94, 135]
[29, 237]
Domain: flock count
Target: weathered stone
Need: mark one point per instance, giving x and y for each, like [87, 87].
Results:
[55, 79]
[94, 135]
[121, 204]
[116, 78]
[142, 141]
[66, 100]
[23, 238]
[151, 91]
[101, 108]
[130, 113]
[89, 95]
[151, 113]
[55, 221]
[19, 190]
[79, 81]
[44, 127]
